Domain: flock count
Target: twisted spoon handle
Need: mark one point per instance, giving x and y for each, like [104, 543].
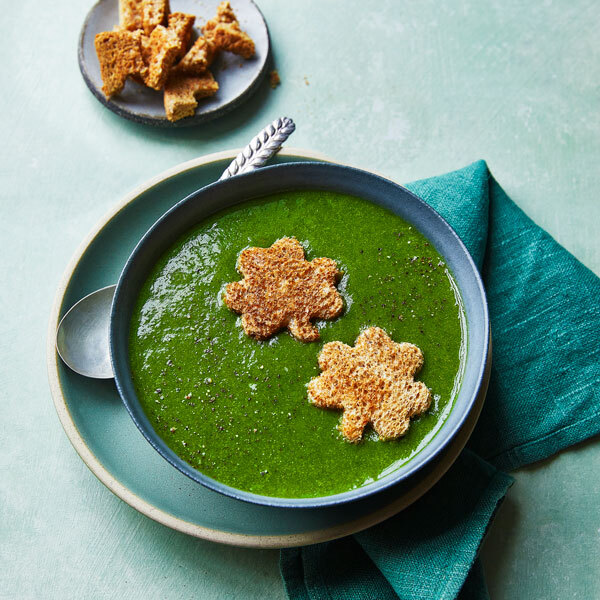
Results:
[261, 148]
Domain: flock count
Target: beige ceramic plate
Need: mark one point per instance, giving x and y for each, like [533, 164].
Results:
[109, 443]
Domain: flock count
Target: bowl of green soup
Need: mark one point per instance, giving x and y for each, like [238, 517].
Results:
[231, 412]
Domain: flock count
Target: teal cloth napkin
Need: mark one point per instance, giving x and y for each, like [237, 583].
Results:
[544, 310]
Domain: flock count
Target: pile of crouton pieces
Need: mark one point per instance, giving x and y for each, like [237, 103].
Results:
[153, 47]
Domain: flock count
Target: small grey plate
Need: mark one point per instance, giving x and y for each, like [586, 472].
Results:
[237, 77]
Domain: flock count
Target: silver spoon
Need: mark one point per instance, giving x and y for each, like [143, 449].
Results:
[82, 337]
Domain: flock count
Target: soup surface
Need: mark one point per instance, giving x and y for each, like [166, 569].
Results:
[237, 409]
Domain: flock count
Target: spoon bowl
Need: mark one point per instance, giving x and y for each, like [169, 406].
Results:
[82, 335]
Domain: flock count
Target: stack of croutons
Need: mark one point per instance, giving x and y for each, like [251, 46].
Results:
[153, 47]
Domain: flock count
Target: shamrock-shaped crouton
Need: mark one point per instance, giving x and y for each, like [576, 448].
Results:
[282, 289]
[373, 383]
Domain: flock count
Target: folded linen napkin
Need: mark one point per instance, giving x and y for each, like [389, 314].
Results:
[545, 316]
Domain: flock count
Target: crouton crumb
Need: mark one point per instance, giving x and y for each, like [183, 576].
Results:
[274, 78]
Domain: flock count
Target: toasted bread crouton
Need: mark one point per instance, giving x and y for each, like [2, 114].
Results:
[373, 382]
[281, 289]
[198, 58]
[160, 52]
[154, 12]
[120, 56]
[130, 14]
[182, 25]
[183, 91]
[224, 32]
[230, 38]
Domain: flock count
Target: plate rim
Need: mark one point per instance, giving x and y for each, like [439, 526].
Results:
[164, 123]
[147, 508]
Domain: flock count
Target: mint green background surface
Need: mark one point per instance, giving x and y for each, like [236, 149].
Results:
[405, 89]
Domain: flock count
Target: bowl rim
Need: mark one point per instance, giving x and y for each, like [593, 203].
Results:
[237, 183]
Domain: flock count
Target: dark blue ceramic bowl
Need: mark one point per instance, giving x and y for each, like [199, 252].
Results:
[296, 176]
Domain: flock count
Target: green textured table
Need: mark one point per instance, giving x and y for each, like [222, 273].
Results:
[405, 89]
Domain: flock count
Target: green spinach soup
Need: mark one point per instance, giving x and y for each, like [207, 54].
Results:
[236, 408]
